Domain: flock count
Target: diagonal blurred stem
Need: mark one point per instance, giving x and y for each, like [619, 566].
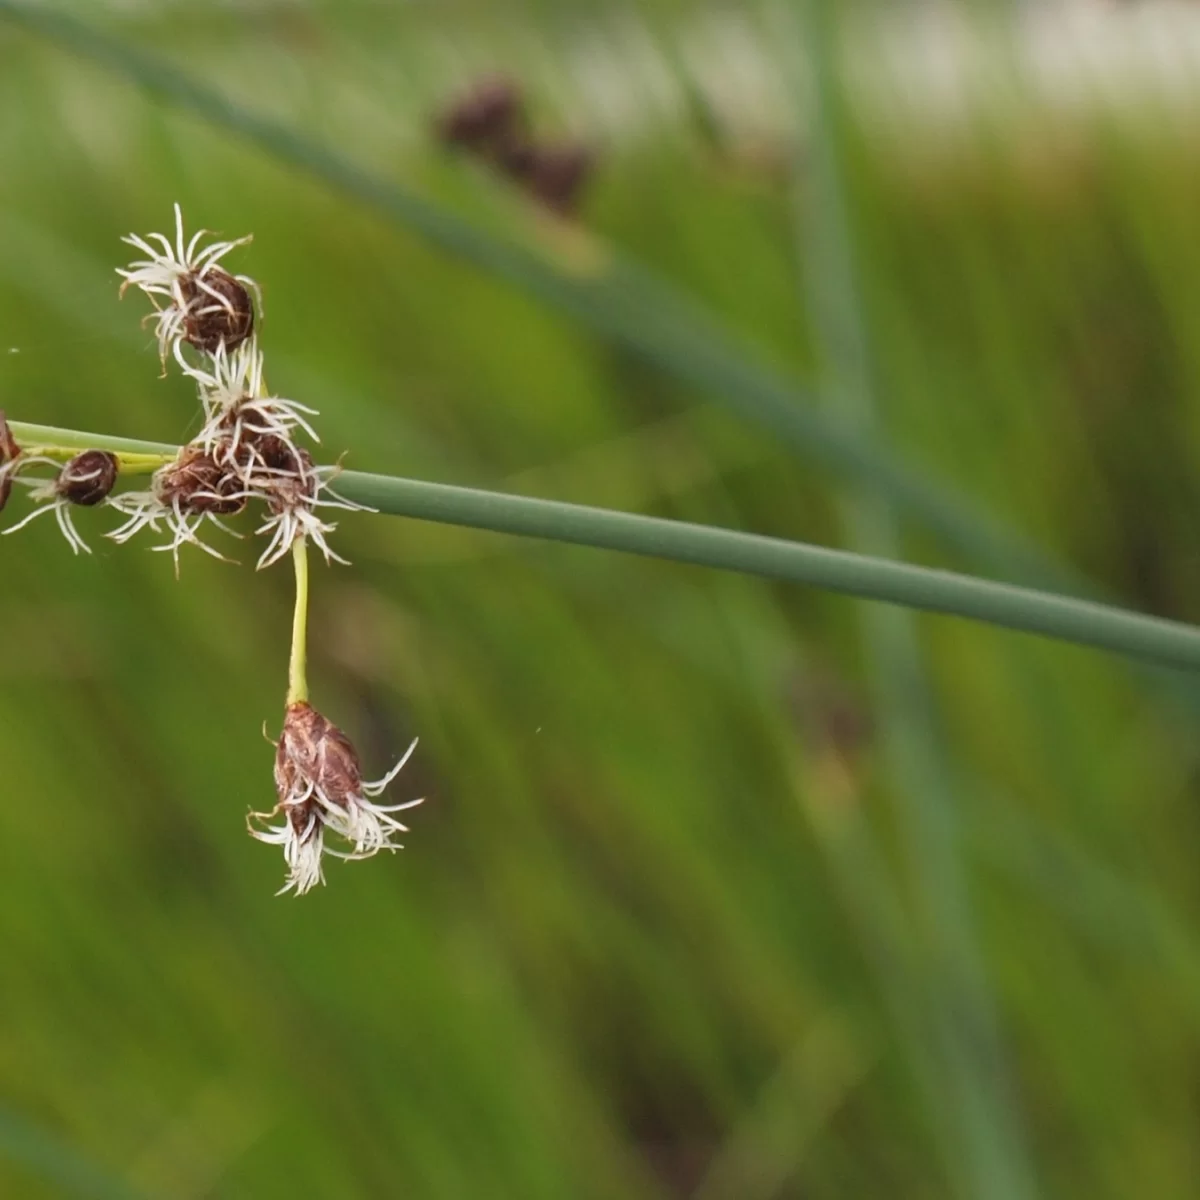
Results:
[1063, 618]
[56, 1163]
[618, 300]
[951, 1032]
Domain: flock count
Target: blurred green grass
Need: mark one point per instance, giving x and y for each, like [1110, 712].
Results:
[652, 924]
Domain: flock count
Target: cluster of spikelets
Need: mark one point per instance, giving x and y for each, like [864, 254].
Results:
[245, 452]
[489, 124]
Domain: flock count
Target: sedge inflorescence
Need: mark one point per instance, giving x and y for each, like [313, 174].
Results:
[247, 447]
[249, 451]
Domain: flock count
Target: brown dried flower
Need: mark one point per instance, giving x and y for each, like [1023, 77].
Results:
[198, 485]
[195, 300]
[216, 310]
[88, 478]
[320, 789]
[183, 495]
[239, 413]
[85, 480]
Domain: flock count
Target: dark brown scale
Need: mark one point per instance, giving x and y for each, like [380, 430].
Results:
[279, 455]
[255, 448]
[486, 114]
[88, 477]
[554, 175]
[249, 414]
[9, 450]
[517, 157]
[8, 444]
[289, 781]
[208, 321]
[292, 492]
[304, 462]
[297, 487]
[280, 472]
[200, 484]
[312, 748]
[558, 175]
[300, 814]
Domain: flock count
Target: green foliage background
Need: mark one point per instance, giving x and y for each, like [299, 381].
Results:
[685, 913]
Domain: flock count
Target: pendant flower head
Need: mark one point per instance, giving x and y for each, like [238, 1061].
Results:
[321, 791]
[86, 480]
[195, 299]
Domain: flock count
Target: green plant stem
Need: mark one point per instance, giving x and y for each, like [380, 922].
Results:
[1025, 609]
[141, 464]
[76, 439]
[1064, 618]
[298, 664]
[127, 463]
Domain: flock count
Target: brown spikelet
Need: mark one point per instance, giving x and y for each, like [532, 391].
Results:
[558, 175]
[312, 747]
[483, 117]
[200, 484]
[217, 310]
[88, 478]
